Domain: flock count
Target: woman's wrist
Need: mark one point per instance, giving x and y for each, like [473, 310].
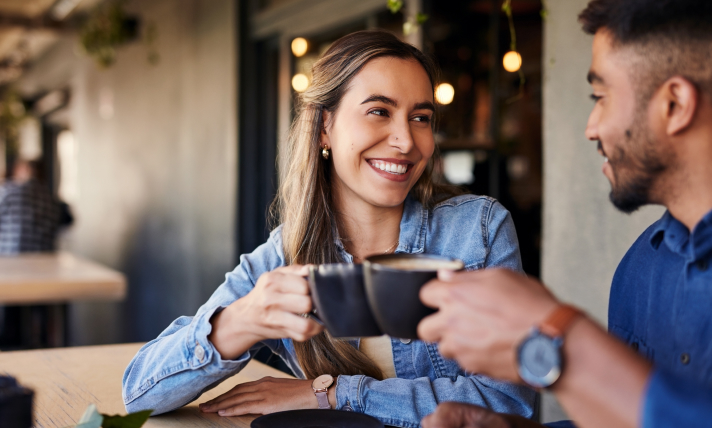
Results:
[231, 334]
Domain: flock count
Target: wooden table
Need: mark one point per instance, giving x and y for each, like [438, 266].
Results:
[54, 279]
[67, 380]
[41, 278]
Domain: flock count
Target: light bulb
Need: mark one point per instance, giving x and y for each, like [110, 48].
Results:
[300, 82]
[299, 46]
[512, 61]
[444, 93]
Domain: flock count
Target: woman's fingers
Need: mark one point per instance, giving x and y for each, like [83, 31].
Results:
[246, 408]
[238, 389]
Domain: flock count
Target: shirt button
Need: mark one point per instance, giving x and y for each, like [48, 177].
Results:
[685, 358]
[702, 265]
[405, 341]
[199, 353]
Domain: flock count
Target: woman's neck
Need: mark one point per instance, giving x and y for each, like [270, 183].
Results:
[366, 229]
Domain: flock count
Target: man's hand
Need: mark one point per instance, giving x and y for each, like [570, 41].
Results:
[461, 415]
[267, 395]
[483, 316]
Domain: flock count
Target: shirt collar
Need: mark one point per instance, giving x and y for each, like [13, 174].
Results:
[678, 238]
[412, 227]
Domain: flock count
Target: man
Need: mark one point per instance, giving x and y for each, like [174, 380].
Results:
[651, 75]
[29, 215]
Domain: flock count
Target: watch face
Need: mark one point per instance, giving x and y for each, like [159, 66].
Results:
[322, 382]
[540, 360]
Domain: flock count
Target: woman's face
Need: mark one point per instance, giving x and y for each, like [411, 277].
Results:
[380, 136]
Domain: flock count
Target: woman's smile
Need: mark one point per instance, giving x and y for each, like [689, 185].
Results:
[391, 169]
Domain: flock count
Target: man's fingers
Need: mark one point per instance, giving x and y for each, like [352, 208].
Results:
[430, 328]
[434, 293]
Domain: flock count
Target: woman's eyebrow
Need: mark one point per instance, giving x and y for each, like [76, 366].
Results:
[425, 105]
[382, 98]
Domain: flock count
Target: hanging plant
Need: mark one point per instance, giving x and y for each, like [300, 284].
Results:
[12, 113]
[108, 28]
[413, 23]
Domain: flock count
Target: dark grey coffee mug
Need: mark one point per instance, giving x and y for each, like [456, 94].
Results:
[393, 283]
[340, 302]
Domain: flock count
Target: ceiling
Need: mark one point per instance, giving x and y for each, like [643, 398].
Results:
[29, 27]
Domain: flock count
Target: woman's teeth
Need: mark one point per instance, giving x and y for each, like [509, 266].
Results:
[393, 168]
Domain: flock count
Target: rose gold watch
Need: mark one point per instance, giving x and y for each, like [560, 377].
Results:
[321, 388]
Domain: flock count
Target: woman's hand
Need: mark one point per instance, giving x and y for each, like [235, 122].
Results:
[269, 311]
[267, 395]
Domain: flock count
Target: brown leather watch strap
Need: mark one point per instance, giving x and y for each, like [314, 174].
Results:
[559, 320]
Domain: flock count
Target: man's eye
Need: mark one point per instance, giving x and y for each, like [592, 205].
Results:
[595, 97]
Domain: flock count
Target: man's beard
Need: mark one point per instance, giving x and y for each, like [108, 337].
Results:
[635, 174]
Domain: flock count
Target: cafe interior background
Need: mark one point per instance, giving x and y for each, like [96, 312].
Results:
[165, 139]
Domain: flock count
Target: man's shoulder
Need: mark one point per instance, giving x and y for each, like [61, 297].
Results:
[645, 245]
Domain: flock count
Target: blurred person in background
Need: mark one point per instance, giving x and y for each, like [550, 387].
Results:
[30, 216]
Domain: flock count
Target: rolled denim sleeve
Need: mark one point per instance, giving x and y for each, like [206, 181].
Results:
[671, 401]
[181, 363]
[404, 402]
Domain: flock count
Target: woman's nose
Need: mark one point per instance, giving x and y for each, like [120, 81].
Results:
[402, 139]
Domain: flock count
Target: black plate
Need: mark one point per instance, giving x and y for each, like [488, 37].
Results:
[316, 418]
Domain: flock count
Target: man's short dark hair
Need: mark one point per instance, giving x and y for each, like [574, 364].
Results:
[672, 37]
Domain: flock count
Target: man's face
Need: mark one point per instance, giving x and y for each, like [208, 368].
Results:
[633, 162]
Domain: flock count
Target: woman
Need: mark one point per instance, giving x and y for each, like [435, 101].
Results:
[358, 183]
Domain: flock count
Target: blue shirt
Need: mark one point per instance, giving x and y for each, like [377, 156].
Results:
[661, 306]
[179, 365]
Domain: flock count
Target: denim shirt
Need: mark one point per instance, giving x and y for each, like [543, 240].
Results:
[661, 303]
[660, 306]
[181, 364]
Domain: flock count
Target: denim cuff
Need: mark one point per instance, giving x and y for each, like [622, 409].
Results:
[201, 353]
[348, 394]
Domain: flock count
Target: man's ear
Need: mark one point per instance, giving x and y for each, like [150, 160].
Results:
[678, 99]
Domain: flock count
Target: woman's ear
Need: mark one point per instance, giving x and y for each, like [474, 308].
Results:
[325, 140]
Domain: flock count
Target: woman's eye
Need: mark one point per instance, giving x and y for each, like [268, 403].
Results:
[424, 119]
[595, 97]
[379, 112]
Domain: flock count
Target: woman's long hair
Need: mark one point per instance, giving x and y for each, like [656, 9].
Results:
[304, 201]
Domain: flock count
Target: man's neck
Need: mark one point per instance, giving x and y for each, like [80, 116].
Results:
[689, 193]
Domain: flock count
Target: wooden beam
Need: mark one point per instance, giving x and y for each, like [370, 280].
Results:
[39, 23]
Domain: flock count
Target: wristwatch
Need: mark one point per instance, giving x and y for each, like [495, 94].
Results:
[539, 356]
[321, 387]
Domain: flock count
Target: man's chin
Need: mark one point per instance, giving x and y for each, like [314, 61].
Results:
[627, 203]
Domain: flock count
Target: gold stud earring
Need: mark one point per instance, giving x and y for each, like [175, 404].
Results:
[325, 152]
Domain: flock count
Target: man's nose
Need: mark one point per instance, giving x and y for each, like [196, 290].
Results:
[592, 126]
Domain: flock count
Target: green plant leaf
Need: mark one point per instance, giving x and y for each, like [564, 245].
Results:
[420, 18]
[90, 419]
[132, 420]
[395, 5]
